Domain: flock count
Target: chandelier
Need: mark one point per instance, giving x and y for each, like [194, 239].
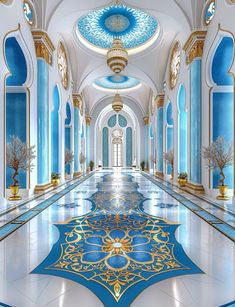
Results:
[117, 56]
[117, 103]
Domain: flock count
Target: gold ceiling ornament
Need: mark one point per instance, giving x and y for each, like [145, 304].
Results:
[117, 56]
[194, 46]
[117, 103]
[174, 65]
[63, 66]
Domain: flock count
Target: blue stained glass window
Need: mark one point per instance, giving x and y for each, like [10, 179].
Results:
[112, 121]
[28, 12]
[122, 121]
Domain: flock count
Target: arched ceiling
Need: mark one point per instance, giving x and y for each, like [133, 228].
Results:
[176, 18]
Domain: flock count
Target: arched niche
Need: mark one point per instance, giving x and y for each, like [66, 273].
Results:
[55, 130]
[222, 98]
[182, 131]
[16, 100]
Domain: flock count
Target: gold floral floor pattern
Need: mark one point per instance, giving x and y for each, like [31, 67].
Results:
[117, 250]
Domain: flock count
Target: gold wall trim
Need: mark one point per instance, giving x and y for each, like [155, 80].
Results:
[194, 46]
[146, 120]
[43, 46]
[160, 101]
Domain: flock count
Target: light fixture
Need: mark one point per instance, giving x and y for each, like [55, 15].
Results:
[117, 56]
[117, 103]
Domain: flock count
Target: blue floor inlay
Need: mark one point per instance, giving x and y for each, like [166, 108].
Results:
[117, 250]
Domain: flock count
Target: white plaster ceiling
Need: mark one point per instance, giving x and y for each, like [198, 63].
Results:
[177, 19]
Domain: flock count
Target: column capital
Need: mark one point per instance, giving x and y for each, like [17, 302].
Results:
[194, 46]
[3, 1]
[88, 120]
[146, 120]
[159, 102]
[43, 45]
[77, 102]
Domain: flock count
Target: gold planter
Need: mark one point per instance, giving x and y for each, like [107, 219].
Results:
[182, 182]
[14, 192]
[55, 182]
[223, 189]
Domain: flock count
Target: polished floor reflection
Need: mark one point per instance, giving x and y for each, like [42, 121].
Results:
[26, 248]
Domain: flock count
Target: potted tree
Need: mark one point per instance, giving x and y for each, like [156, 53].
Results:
[19, 156]
[68, 158]
[82, 160]
[91, 164]
[55, 179]
[169, 158]
[142, 165]
[219, 155]
[182, 179]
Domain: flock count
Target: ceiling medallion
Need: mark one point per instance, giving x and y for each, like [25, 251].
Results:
[136, 29]
[174, 65]
[117, 103]
[63, 66]
[117, 56]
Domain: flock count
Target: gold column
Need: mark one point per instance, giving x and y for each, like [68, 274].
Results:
[194, 49]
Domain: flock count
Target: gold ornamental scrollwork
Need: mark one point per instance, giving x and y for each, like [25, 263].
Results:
[62, 62]
[174, 65]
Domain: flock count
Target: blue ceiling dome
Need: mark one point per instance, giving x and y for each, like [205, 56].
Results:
[117, 82]
[133, 26]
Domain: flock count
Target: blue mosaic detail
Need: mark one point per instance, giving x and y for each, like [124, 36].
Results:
[28, 12]
[209, 12]
[133, 26]
[117, 253]
[117, 82]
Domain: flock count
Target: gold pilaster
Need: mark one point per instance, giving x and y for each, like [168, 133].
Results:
[146, 120]
[194, 46]
[77, 102]
[43, 46]
[160, 101]
[88, 120]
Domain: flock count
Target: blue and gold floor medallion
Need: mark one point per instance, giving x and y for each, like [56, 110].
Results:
[117, 250]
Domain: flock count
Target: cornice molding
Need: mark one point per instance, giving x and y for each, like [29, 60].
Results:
[194, 46]
[43, 46]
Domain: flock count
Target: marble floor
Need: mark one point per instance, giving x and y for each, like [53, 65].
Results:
[28, 246]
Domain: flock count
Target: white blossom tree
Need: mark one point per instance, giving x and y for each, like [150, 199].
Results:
[19, 156]
[219, 155]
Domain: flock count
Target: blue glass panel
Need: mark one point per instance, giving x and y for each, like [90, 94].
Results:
[129, 147]
[160, 139]
[183, 131]
[28, 12]
[68, 114]
[43, 122]
[209, 12]
[122, 121]
[16, 124]
[16, 62]
[223, 126]
[112, 121]
[134, 27]
[76, 139]
[169, 118]
[195, 122]
[55, 131]
[105, 147]
[68, 146]
[222, 62]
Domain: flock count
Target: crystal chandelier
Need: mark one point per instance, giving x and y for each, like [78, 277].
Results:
[117, 103]
[117, 56]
